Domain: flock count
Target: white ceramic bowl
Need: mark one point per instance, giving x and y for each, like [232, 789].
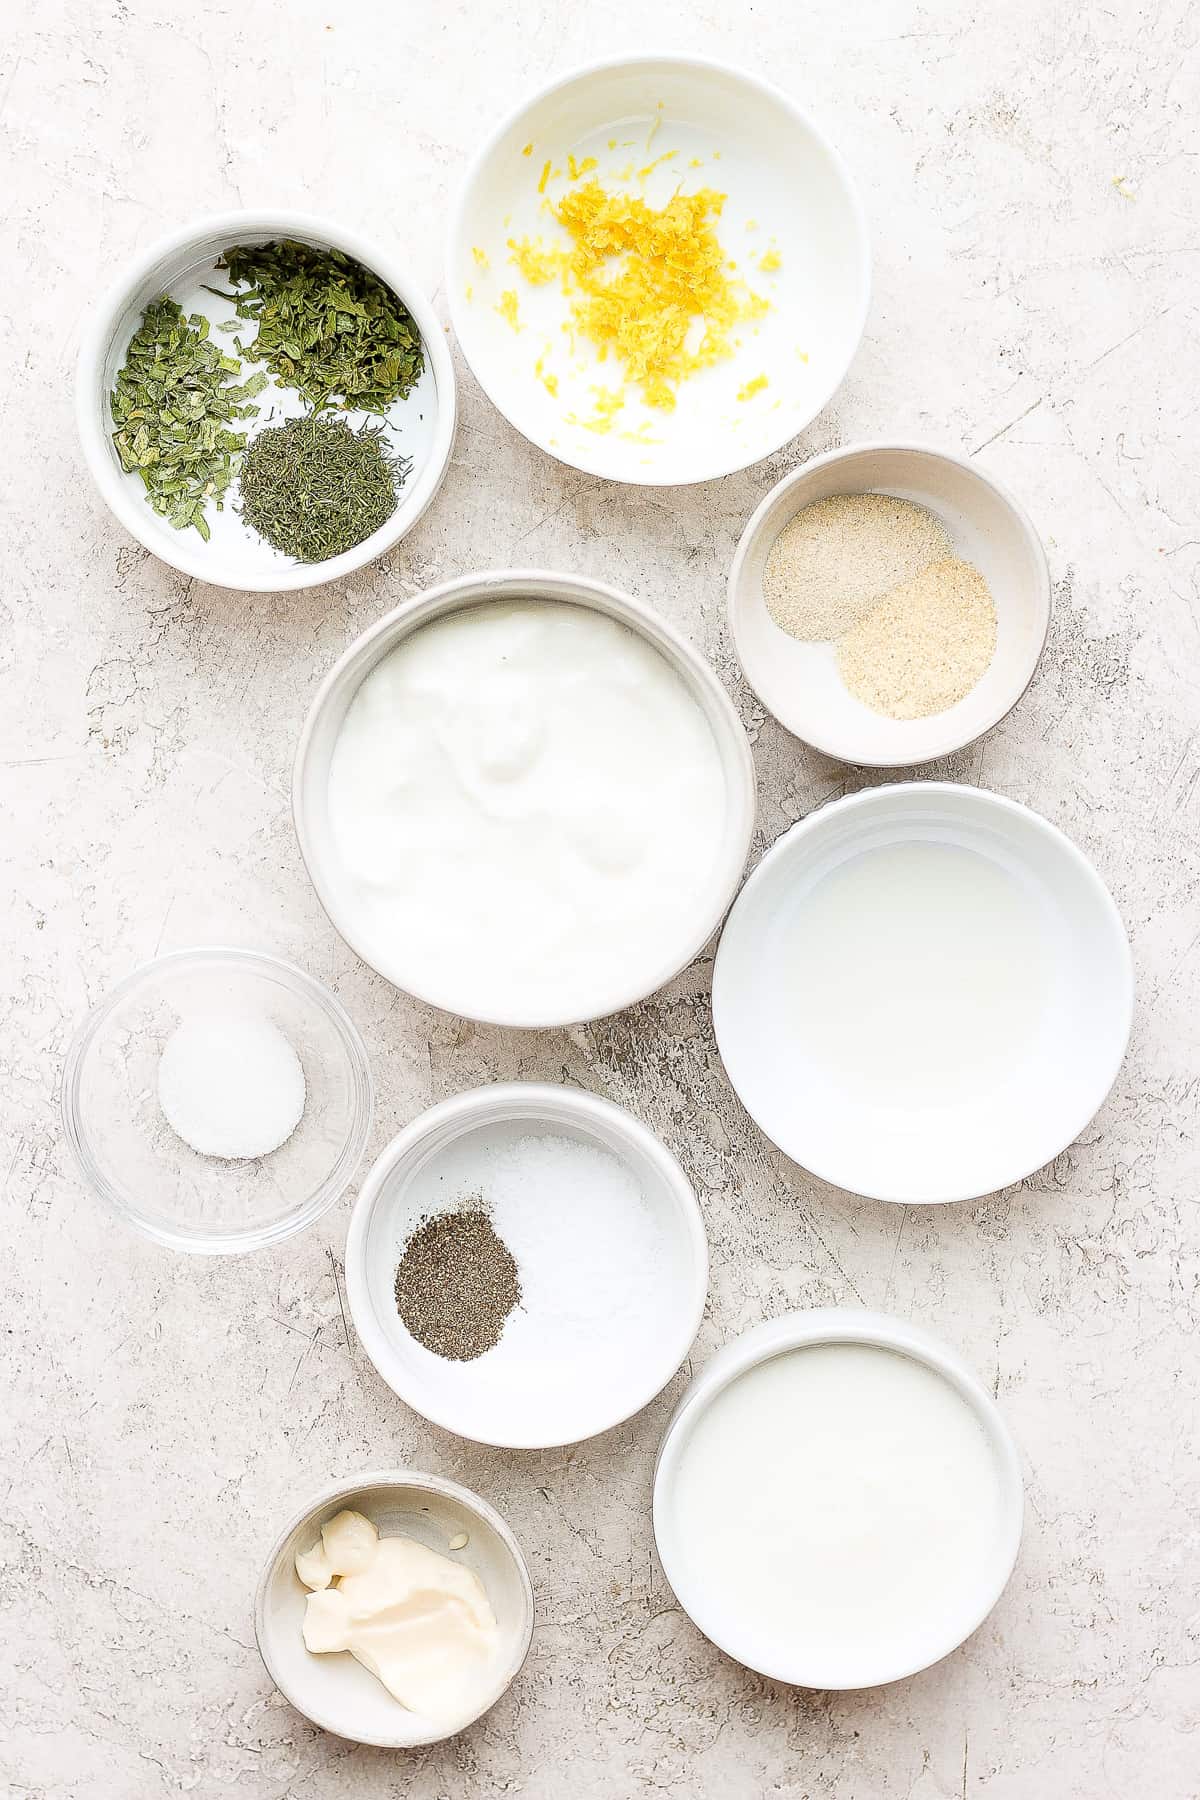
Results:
[421, 426]
[130, 1157]
[776, 169]
[799, 682]
[310, 780]
[795, 1331]
[336, 1692]
[996, 1107]
[605, 1384]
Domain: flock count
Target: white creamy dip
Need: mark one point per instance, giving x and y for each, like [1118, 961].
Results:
[838, 1508]
[528, 805]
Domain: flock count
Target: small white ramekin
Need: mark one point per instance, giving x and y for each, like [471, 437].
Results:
[516, 1421]
[336, 1692]
[799, 682]
[836, 1325]
[310, 778]
[112, 323]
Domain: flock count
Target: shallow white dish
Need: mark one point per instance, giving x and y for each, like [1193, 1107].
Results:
[739, 1638]
[421, 426]
[925, 1142]
[310, 783]
[335, 1691]
[478, 1400]
[799, 682]
[776, 169]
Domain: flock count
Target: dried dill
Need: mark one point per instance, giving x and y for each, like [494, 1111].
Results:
[314, 488]
[173, 403]
[326, 325]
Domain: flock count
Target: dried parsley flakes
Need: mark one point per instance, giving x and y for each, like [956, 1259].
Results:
[326, 325]
[314, 488]
[172, 405]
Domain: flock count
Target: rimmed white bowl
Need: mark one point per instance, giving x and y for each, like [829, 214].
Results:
[310, 781]
[421, 426]
[738, 1637]
[786, 189]
[479, 1400]
[941, 1119]
[799, 682]
[336, 1692]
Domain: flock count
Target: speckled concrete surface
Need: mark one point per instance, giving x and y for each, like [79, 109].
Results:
[160, 1414]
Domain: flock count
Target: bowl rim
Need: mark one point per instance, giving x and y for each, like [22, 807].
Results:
[840, 1325]
[403, 1478]
[488, 585]
[553, 1104]
[760, 88]
[985, 800]
[121, 1201]
[131, 511]
[798, 477]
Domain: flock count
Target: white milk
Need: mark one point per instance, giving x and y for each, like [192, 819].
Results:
[528, 805]
[835, 1502]
[918, 972]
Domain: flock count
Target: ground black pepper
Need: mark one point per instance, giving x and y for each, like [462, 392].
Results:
[456, 1284]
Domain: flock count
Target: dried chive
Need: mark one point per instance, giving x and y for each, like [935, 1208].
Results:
[314, 488]
[172, 405]
[326, 325]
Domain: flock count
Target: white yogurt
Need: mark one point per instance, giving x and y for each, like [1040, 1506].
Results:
[528, 805]
[837, 1508]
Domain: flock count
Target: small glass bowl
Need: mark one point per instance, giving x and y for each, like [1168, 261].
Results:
[129, 1155]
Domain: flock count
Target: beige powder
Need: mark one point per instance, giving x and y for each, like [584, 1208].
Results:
[924, 645]
[836, 559]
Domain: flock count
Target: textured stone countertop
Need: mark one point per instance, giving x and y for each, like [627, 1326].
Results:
[1032, 181]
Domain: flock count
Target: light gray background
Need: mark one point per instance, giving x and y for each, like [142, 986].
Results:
[161, 1414]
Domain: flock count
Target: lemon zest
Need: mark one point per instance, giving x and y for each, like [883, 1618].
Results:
[641, 279]
[651, 166]
[507, 307]
[752, 387]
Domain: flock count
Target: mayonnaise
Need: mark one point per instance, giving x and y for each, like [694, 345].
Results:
[528, 805]
[420, 1622]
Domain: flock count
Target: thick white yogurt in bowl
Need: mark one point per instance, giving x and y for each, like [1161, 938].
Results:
[523, 798]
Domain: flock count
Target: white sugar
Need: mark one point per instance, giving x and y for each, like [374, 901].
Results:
[230, 1087]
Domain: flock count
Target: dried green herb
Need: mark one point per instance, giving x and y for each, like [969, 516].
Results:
[326, 325]
[173, 402]
[314, 488]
